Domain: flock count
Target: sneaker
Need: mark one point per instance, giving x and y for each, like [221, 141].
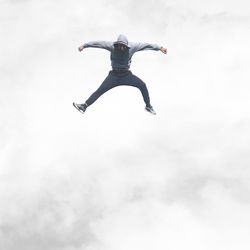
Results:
[150, 110]
[80, 107]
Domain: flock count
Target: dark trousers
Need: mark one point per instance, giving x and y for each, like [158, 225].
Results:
[118, 78]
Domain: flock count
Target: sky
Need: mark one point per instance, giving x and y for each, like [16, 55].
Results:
[118, 177]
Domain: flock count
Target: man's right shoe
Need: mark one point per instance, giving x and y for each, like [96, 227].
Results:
[150, 110]
[80, 107]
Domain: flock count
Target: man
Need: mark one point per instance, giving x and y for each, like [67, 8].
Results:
[121, 52]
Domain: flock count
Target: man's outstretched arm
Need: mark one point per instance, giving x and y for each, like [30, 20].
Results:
[147, 46]
[97, 44]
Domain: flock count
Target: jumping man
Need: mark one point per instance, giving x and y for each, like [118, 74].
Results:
[121, 52]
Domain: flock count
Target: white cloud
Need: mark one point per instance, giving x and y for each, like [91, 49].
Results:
[117, 177]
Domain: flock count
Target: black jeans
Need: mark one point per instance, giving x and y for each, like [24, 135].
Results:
[118, 78]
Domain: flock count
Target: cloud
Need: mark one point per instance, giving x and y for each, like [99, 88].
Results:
[116, 177]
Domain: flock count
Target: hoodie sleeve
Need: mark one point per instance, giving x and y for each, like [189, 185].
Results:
[144, 46]
[99, 44]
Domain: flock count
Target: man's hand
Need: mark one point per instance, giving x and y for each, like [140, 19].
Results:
[164, 50]
[81, 48]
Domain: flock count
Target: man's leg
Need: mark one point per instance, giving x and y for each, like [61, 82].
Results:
[106, 85]
[133, 80]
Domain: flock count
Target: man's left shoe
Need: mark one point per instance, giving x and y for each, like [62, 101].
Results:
[150, 110]
[80, 107]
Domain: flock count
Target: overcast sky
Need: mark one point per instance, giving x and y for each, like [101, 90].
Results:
[118, 178]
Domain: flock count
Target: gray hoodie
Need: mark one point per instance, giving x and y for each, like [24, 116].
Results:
[121, 60]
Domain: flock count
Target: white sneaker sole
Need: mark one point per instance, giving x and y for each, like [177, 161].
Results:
[74, 104]
[152, 113]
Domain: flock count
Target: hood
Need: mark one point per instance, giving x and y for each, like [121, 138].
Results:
[122, 39]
